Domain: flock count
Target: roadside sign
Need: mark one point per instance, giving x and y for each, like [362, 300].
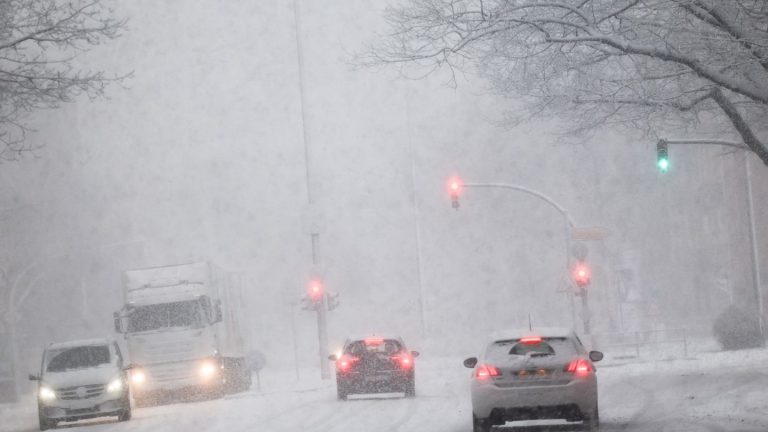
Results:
[590, 233]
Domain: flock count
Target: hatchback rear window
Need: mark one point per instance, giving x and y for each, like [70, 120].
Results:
[373, 346]
[546, 346]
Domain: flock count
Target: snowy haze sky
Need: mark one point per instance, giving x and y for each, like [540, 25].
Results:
[202, 156]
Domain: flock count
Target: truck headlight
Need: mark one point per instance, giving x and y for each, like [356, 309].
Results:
[115, 386]
[208, 368]
[138, 377]
[46, 394]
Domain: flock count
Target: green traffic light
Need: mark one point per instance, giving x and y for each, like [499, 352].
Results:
[663, 164]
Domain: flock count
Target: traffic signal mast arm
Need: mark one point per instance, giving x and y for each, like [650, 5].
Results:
[455, 186]
[528, 191]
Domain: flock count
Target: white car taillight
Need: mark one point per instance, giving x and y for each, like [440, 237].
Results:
[580, 367]
[486, 371]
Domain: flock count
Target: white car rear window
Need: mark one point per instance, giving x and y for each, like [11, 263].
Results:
[504, 349]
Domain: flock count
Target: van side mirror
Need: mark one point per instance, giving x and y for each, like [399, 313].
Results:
[595, 356]
[414, 354]
[34, 377]
[332, 357]
[129, 367]
[470, 362]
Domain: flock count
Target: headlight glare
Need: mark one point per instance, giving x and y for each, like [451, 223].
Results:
[46, 394]
[138, 377]
[115, 386]
[208, 369]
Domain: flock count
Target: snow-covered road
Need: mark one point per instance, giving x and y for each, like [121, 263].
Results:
[712, 392]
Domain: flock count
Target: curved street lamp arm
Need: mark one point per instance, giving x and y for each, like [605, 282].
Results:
[528, 191]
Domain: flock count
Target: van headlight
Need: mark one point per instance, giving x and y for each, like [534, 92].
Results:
[115, 386]
[46, 394]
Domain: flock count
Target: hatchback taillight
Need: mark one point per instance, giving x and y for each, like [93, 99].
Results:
[580, 367]
[345, 362]
[486, 371]
[405, 361]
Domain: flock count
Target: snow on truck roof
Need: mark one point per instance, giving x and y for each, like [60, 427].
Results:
[166, 294]
[79, 343]
[545, 332]
[160, 277]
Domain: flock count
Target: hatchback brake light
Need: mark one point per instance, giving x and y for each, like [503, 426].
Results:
[531, 340]
[486, 371]
[404, 360]
[579, 367]
[374, 341]
[345, 362]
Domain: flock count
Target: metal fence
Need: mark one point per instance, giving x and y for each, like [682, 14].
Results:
[641, 343]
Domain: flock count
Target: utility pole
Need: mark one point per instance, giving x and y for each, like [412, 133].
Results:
[319, 304]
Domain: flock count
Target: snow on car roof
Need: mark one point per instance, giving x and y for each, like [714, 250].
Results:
[79, 343]
[545, 332]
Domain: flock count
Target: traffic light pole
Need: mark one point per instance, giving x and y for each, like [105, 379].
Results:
[322, 336]
[750, 214]
[585, 314]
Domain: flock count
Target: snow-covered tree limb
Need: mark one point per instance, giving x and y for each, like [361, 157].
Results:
[634, 62]
[39, 42]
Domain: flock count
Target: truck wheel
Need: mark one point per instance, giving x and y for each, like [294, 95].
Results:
[247, 379]
[244, 379]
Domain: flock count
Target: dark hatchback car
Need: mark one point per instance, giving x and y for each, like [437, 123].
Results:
[375, 365]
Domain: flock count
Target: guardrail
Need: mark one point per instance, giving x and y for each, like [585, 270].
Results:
[634, 341]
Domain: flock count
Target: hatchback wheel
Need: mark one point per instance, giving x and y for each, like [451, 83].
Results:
[410, 388]
[592, 421]
[341, 391]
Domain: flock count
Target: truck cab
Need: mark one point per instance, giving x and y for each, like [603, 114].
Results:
[173, 322]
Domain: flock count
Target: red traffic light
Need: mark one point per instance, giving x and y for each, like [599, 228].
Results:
[455, 186]
[315, 290]
[581, 274]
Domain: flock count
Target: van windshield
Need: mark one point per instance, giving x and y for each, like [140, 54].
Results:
[77, 358]
[185, 314]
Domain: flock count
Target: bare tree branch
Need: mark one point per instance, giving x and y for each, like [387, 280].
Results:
[642, 64]
[40, 41]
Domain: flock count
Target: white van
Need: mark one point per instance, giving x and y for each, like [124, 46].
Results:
[81, 380]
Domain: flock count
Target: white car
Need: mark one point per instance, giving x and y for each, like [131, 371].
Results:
[81, 380]
[531, 375]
